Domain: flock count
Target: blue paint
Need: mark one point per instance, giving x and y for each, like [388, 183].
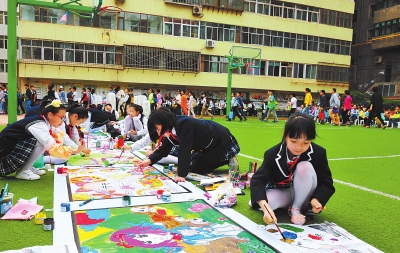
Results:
[98, 214]
[289, 235]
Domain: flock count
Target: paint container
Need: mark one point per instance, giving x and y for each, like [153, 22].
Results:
[62, 170]
[171, 167]
[121, 142]
[39, 218]
[159, 194]
[166, 170]
[166, 197]
[65, 207]
[6, 203]
[98, 144]
[242, 185]
[47, 166]
[126, 200]
[48, 224]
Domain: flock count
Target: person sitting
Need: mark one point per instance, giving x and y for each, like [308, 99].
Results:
[96, 119]
[395, 118]
[113, 115]
[135, 123]
[354, 113]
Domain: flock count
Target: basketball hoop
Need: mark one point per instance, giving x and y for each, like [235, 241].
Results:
[110, 9]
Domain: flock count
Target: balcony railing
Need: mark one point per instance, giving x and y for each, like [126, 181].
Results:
[236, 5]
[185, 2]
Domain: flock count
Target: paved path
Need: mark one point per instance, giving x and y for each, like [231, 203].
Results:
[4, 119]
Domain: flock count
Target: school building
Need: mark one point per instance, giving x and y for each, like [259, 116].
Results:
[182, 44]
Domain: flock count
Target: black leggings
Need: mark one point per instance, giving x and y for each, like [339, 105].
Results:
[345, 116]
[372, 116]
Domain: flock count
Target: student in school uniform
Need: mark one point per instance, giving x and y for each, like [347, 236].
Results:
[135, 123]
[73, 138]
[215, 145]
[96, 118]
[24, 141]
[294, 174]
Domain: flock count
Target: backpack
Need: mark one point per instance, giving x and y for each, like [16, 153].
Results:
[155, 99]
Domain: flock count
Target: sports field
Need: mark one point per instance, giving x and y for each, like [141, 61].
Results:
[364, 164]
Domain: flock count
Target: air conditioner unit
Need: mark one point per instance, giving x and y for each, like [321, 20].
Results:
[378, 59]
[210, 43]
[197, 10]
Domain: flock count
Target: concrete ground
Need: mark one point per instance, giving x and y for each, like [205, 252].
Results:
[4, 119]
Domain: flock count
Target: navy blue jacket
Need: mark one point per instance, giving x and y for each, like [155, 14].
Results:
[274, 169]
[211, 138]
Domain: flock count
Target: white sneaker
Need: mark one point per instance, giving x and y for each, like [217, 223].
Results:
[38, 171]
[26, 175]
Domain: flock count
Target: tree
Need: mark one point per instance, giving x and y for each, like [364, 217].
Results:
[359, 97]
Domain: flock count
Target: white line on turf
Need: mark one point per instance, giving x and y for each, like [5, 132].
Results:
[350, 184]
[367, 189]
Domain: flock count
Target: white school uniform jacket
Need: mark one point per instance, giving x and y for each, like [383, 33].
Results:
[68, 141]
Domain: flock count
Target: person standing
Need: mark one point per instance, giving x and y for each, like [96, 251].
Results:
[28, 97]
[159, 98]
[234, 106]
[240, 102]
[178, 103]
[127, 101]
[334, 103]
[204, 109]
[20, 99]
[51, 92]
[62, 94]
[307, 101]
[375, 108]
[70, 97]
[348, 101]
[272, 104]
[184, 102]
[292, 104]
[192, 104]
[120, 96]
[34, 96]
[85, 98]
[323, 104]
[74, 95]
[152, 99]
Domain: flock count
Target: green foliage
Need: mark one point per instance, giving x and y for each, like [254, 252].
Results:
[387, 103]
[359, 97]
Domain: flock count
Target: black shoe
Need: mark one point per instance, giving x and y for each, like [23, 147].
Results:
[245, 119]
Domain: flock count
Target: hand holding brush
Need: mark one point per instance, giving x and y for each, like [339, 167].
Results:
[274, 222]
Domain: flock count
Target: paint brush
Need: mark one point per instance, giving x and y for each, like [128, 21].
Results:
[122, 151]
[284, 238]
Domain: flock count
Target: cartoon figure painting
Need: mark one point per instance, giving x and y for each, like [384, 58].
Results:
[172, 228]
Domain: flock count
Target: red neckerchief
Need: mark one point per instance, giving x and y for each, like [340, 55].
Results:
[291, 164]
[50, 131]
[173, 136]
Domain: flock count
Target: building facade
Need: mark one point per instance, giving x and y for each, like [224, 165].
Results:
[182, 44]
[376, 47]
[3, 41]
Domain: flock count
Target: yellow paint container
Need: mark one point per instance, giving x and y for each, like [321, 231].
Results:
[39, 218]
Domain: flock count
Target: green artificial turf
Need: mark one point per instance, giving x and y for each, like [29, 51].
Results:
[370, 217]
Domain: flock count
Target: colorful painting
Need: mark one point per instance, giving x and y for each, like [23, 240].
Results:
[317, 238]
[103, 157]
[106, 183]
[188, 227]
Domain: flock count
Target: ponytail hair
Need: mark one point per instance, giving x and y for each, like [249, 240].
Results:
[50, 105]
[78, 110]
[139, 109]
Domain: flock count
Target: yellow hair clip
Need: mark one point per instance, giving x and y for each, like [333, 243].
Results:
[55, 103]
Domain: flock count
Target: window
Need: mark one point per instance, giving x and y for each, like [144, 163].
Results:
[3, 66]
[387, 90]
[3, 18]
[162, 59]
[273, 68]
[190, 28]
[173, 26]
[3, 42]
[310, 71]
[286, 69]
[335, 74]
[71, 52]
[372, 9]
[216, 64]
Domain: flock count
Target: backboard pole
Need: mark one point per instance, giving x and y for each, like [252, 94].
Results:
[72, 5]
[229, 87]
[12, 60]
